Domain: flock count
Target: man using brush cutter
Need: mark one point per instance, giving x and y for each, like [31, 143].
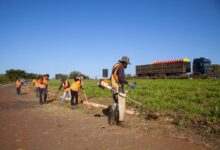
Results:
[118, 81]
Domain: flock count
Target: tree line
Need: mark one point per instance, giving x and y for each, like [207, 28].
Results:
[13, 74]
[72, 75]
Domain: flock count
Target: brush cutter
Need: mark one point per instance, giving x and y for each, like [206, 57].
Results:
[104, 84]
[117, 111]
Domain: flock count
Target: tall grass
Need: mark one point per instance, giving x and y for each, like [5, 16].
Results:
[190, 98]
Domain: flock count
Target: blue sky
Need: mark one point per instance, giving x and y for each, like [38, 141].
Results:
[59, 36]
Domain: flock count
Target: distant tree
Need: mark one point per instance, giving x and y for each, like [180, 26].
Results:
[31, 76]
[214, 69]
[74, 74]
[3, 79]
[61, 76]
[130, 76]
[13, 74]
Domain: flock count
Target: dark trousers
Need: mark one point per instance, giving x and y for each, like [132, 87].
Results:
[37, 91]
[74, 97]
[43, 95]
[18, 89]
[115, 94]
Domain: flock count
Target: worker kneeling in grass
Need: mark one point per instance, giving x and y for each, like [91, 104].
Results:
[66, 88]
[75, 87]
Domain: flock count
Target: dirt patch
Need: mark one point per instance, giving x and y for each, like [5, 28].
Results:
[27, 125]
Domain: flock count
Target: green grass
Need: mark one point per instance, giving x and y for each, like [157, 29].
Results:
[189, 98]
[4, 79]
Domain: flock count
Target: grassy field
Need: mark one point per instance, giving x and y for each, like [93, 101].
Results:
[189, 98]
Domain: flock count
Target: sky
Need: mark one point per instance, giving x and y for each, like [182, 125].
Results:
[60, 36]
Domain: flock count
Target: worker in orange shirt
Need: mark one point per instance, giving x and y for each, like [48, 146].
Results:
[36, 85]
[118, 81]
[18, 85]
[75, 87]
[66, 88]
[45, 82]
[43, 86]
[42, 89]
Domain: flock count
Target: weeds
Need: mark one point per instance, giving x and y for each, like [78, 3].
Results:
[190, 98]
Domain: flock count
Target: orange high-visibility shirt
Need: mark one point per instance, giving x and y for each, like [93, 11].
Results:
[45, 81]
[18, 84]
[114, 76]
[65, 84]
[41, 84]
[75, 85]
[37, 82]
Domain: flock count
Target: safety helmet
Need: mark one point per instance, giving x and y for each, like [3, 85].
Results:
[125, 59]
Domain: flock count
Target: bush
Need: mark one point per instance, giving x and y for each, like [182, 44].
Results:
[74, 74]
[3, 79]
[61, 76]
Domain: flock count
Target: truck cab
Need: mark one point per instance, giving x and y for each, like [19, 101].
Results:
[201, 65]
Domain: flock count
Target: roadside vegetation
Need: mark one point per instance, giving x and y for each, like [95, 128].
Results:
[4, 79]
[193, 102]
[12, 75]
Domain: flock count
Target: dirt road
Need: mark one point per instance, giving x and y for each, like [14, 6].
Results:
[24, 125]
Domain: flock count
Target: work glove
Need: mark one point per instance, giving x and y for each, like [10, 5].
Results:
[132, 85]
